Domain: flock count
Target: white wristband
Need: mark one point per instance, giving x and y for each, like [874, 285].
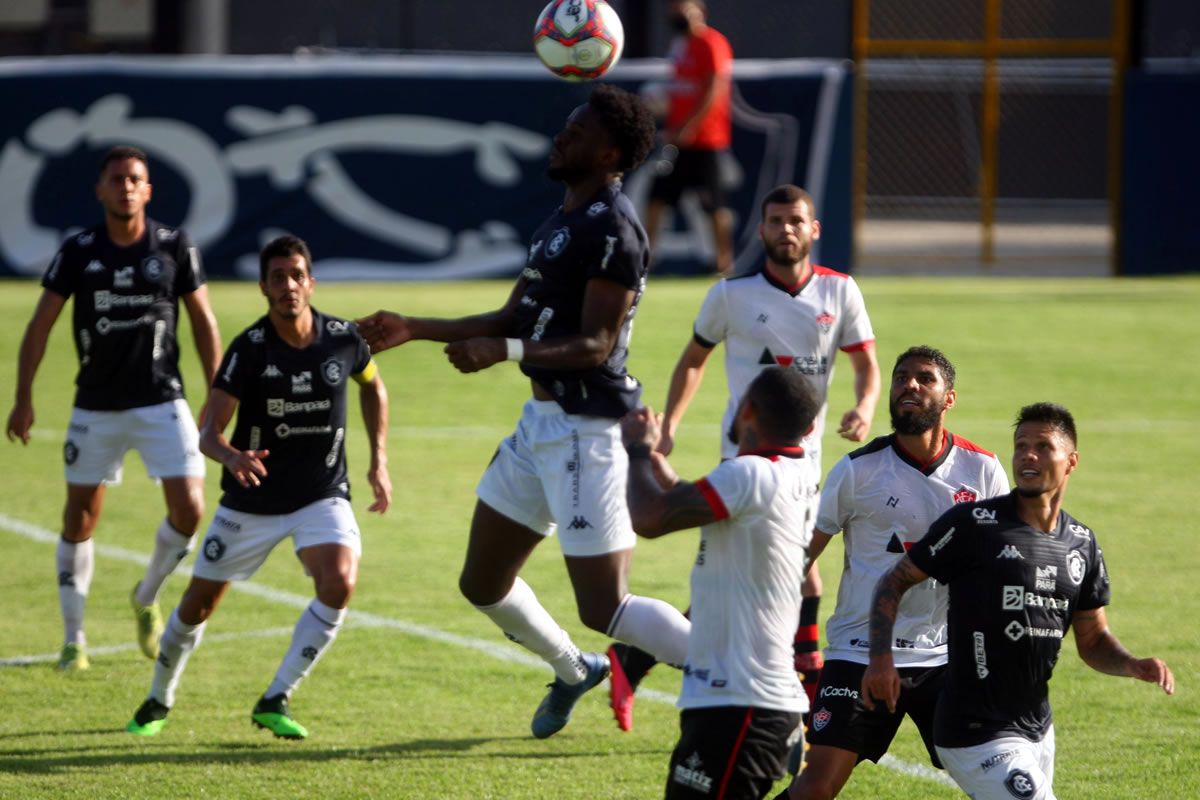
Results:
[516, 349]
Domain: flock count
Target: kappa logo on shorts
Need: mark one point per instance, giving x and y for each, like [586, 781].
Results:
[578, 524]
[214, 548]
[1020, 784]
[70, 452]
[821, 719]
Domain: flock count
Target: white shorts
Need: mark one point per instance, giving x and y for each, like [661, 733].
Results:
[567, 469]
[237, 544]
[164, 435]
[1003, 769]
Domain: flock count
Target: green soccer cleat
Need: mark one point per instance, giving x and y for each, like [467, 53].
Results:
[73, 657]
[149, 625]
[149, 719]
[272, 713]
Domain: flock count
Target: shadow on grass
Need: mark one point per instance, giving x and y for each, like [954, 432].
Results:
[138, 753]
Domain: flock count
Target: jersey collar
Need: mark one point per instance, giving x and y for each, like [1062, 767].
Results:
[776, 453]
[929, 467]
[790, 290]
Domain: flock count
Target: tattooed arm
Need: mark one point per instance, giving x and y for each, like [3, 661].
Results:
[881, 681]
[655, 510]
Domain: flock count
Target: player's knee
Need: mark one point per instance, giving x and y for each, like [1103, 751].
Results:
[335, 590]
[79, 520]
[185, 516]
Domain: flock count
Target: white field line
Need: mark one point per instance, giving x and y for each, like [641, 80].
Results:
[362, 619]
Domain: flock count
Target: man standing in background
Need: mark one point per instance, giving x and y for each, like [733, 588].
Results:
[698, 128]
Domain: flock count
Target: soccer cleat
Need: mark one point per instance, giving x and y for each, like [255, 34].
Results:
[620, 692]
[73, 656]
[149, 625]
[272, 713]
[555, 709]
[149, 719]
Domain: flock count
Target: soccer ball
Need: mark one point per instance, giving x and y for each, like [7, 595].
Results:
[578, 39]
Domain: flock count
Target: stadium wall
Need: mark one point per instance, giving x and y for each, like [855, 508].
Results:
[1159, 199]
[391, 167]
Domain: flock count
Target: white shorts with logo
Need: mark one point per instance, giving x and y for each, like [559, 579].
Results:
[237, 543]
[1003, 769]
[164, 435]
[567, 469]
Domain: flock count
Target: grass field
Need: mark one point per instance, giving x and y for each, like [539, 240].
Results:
[421, 697]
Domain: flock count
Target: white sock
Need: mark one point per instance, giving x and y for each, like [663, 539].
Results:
[177, 643]
[315, 630]
[523, 620]
[170, 548]
[654, 626]
[76, 562]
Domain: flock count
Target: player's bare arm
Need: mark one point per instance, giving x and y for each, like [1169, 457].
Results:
[373, 399]
[1103, 652]
[33, 348]
[881, 681]
[384, 330]
[685, 380]
[820, 540]
[246, 466]
[659, 502]
[856, 423]
[206, 336]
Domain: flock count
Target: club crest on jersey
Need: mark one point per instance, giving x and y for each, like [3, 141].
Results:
[558, 242]
[1076, 566]
[596, 209]
[825, 321]
[332, 372]
[1020, 784]
[821, 719]
[152, 268]
[965, 495]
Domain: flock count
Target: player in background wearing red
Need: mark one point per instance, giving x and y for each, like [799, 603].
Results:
[698, 129]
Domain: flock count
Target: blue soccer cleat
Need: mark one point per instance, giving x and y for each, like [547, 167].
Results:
[555, 709]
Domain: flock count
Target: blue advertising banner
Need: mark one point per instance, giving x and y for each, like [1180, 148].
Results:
[391, 168]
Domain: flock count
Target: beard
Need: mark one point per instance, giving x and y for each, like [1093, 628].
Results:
[919, 421]
[732, 433]
[776, 256]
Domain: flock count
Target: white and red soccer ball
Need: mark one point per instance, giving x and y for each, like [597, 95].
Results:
[578, 40]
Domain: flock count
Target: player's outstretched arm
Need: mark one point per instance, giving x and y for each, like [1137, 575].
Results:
[881, 681]
[856, 423]
[374, 401]
[387, 329]
[33, 348]
[659, 502]
[685, 380]
[245, 466]
[1103, 652]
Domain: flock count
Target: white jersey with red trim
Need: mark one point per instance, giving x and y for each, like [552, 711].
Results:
[764, 323]
[746, 585]
[884, 501]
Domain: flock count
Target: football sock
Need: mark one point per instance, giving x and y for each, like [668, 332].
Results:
[177, 643]
[170, 548]
[316, 629]
[653, 626]
[637, 663]
[76, 562]
[523, 620]
[807, 641]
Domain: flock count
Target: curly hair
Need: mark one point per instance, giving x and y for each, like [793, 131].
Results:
[932, 354]
[627, 120]
[283, 247]
[786, 404]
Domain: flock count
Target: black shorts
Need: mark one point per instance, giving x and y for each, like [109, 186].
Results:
[731, 752]
[841, 719]
[692, 169]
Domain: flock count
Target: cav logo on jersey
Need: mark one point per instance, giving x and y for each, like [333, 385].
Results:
[332, 372]
[596, 209]
[965, 495]
[256, 335]
[336, 327]
[152, 268]
[984, 516]
[558, 242]
[825, 321]
[1076, 566]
